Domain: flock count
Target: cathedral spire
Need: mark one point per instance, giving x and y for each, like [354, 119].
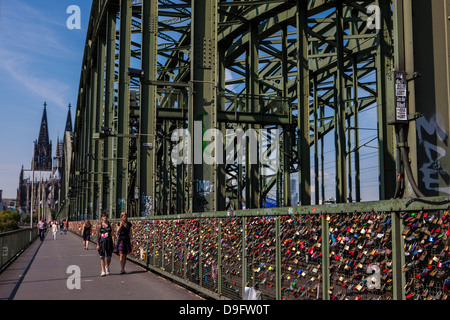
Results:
[69, 120]
[43, 132]
[42, 153]
[21, 175]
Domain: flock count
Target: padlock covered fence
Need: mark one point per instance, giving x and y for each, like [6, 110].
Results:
[387, 250]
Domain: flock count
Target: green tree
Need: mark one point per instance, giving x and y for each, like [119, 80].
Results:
[9, 220]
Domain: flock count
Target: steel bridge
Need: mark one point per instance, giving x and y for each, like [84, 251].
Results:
[303, 80]
[223, 128]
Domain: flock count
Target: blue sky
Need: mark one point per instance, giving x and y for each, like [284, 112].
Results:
[40, 60]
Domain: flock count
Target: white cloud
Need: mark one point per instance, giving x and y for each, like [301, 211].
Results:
[39, 61]
[18, 68]
[25, 29]
[32, 47]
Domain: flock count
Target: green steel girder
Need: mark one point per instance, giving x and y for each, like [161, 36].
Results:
[393, 205]
[305, 68]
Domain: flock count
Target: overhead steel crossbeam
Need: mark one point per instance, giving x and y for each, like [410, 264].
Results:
[305, 72]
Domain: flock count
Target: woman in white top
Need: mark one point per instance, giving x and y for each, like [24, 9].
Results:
[54, 230]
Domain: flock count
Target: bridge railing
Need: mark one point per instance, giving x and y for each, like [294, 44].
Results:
[14, 242]
[337, 252]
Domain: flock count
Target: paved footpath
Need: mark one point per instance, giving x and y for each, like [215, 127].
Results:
[41, 273]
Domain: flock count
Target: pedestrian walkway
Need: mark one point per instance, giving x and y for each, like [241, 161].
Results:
[41, 273]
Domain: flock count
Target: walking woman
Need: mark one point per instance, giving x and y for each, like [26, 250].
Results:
[66, 226]
[124, 240]
[105, 244]
[54, 229]
[86, 233]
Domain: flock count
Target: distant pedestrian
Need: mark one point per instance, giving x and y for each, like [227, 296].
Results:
[54, 230]
[42, 226]
[61, 226]
[46, 226]
[105, 243]
[124, 240]
[86, 234]
[66, 226]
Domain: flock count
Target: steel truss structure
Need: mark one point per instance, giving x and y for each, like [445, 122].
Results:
[308, 73]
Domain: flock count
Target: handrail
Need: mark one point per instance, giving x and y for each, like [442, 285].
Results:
[13, 243]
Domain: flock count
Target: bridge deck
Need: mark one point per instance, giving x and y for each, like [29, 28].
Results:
[41, 273]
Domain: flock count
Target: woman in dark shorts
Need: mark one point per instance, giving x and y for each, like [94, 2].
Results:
[105, 243]
[86, 233]
[124, 240]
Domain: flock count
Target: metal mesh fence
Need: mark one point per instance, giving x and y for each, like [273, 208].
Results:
[361, 245]
[426, 251]
[289, 257]
[12, 243]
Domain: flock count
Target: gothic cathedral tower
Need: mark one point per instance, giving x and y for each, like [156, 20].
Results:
[42, 153]
[45, 190]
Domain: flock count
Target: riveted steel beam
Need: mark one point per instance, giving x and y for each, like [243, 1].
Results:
[312, 70]
[123, 108]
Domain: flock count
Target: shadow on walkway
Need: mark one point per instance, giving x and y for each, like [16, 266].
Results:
[42, 273]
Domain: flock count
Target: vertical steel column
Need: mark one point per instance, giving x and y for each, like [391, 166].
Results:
[384, 66]
[356, 136]
[244, 253]
[287, 136]
[166, 182]
[219, 255]
[277, 259]
[349, 147]
[325, 258]
[202, 106]
[98, 166]
[239, 187]
[316, 142]
[123, 112]
[80, 160]
[172, 176]
[76, 160]
[322, 157]
[91, 143]
[180, 186]
[200, 252]
[252, 197]
[79, 142]
[405, 49]
[429, 34]
[85, 159]
[109, 110]
[76, 182]
[148, 107]
[339, 125]
[222, 168]
[303, 104]
[78, 177]
[398, 258]
[354, 31]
